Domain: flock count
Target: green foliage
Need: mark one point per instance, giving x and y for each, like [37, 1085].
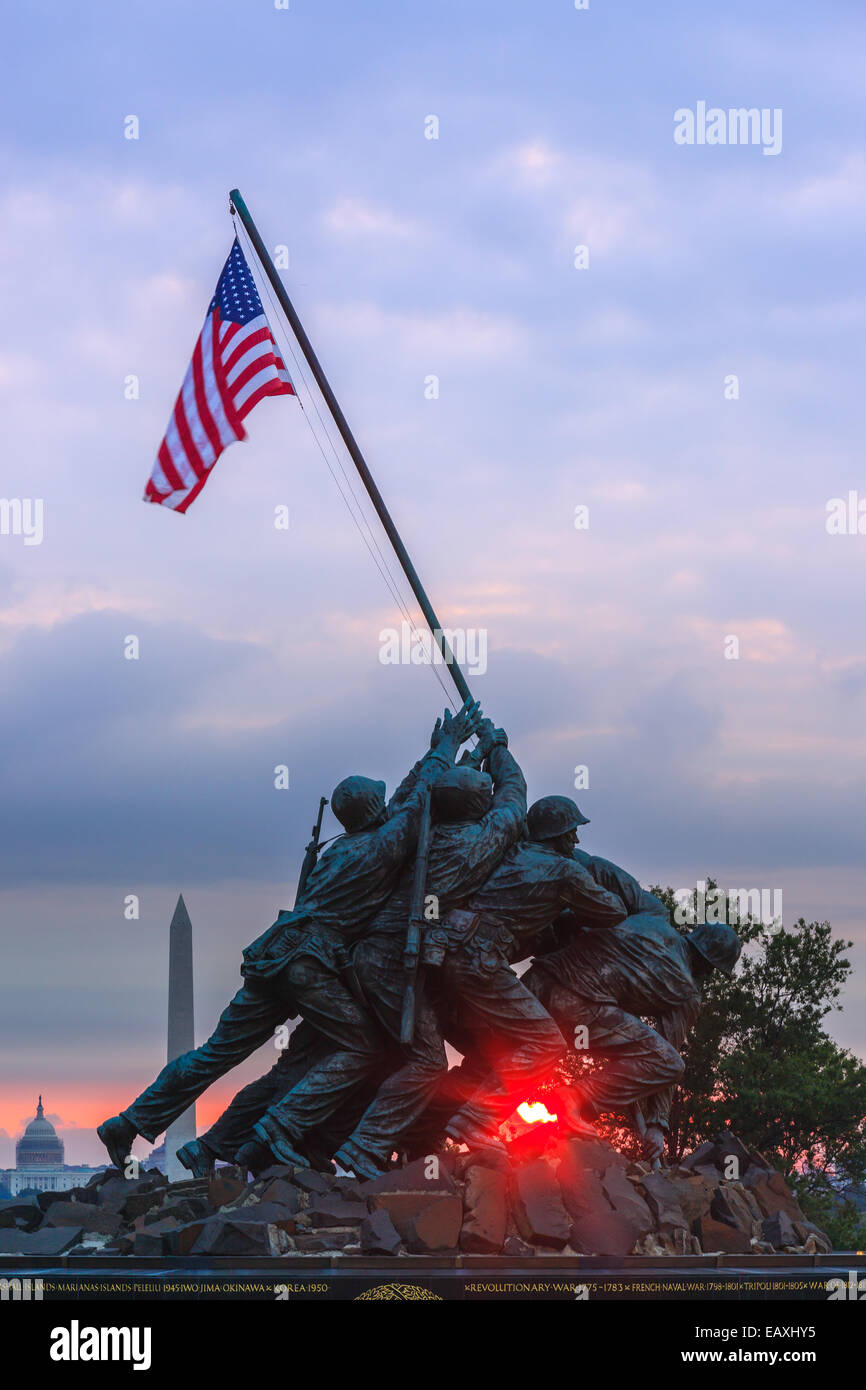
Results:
[836, 1214]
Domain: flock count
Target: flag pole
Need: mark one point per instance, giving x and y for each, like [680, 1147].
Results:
[243, 212]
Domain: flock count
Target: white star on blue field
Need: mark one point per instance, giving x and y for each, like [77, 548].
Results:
[236, 292]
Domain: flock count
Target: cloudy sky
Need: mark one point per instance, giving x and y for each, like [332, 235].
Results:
[558, 388]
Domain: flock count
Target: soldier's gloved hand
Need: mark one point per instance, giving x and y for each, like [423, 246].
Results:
[489, 737]
[446, 731]
[436, 736]
[456, 731]
[472, 757]
[653, 1143]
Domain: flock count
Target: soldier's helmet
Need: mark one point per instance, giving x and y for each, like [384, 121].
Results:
[461, 793]
[552, 816]
[718, 944]
[358, 802]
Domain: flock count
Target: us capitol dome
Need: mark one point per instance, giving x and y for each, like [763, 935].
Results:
[39, 1162]
[39, 1146]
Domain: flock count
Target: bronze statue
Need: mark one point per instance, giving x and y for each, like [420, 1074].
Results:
[297, 962]
[610, 982]
[477, 818]
[491, 1016]
[498, 883]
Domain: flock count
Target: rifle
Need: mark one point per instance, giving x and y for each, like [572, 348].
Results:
[412, 949]
[311, 853]
[344, 963]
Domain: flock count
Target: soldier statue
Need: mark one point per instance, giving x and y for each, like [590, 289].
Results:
[297, 966]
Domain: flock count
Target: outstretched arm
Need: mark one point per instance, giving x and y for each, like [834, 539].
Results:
[446, 738]
[620, 881]
[508, 814]
[592, 905]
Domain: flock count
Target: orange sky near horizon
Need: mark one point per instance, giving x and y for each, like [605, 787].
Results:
[81, 1108]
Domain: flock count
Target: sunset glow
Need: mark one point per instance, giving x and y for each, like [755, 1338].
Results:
[536, 1113]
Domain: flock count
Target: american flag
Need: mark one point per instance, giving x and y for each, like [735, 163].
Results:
[234, 364]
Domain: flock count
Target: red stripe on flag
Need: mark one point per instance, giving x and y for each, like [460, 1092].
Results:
[266, 360]
[204, 414]
[172, 477]
[281, 367]
[196, 462]
[275, 387]
[151, 494]
[237, 350]
[235, 422]
[192, 494]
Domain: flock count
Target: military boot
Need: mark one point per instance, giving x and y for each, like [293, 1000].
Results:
[356, 1161]
[475, 1135]
[197, 1158]
[254, 1157]
[273, 1137]
[569, 1103]
[117, 1134]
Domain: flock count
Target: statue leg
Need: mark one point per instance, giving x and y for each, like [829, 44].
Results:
[494, 1003]
[405, 1094]
[235, 1125]
[248, 1021]
[459, 1083]
[333, 1011]
[635, 1061]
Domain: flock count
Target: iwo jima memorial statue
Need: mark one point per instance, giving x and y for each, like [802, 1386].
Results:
[404, 936]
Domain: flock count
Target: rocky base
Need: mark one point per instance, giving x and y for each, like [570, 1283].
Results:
[575, 1197]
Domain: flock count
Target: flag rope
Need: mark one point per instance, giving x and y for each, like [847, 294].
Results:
[327, 433]
[376, 555]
